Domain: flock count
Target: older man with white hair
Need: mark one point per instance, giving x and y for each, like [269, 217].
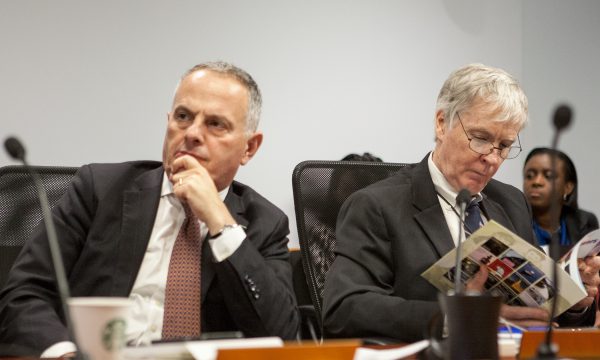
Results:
[392, 231]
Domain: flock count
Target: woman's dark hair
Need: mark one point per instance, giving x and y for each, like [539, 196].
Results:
[364, 157]
[568, 167]
[345, 180]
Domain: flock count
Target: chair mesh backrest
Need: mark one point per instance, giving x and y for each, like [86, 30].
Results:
[320, 188]
[20, 210]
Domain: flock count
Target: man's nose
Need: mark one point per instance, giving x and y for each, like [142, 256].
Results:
[194, 133]
[494, 157]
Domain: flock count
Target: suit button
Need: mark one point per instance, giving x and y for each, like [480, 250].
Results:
[256, 296]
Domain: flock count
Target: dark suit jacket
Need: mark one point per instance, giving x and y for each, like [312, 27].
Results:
[104, 223]
[388, 234]
[579, 223]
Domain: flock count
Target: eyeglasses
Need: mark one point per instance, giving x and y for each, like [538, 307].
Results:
[484, 147]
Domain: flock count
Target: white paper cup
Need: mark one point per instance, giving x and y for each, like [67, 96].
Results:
[100, 325]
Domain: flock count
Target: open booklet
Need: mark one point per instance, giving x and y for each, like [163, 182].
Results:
[518, 271]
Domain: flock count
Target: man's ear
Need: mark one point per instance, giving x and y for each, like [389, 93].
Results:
[252, 144]
[440, 124]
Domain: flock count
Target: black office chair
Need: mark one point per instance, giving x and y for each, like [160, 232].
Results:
[309, 325]
[320, 188]
[20, 210]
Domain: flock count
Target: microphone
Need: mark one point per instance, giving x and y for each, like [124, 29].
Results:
[16, 150]
[561, 120]
[462, 199]
[562, 117]
[470, 320]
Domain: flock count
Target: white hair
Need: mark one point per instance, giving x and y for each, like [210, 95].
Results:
[495, 87]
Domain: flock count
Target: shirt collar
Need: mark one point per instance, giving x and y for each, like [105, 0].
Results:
[442, 186]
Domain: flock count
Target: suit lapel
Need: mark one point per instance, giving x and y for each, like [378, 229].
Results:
[236, 208]
[493, 211]
[429, 215]
[140, 203]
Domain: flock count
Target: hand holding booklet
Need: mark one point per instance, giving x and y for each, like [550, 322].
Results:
[589, 245]
[517, 271]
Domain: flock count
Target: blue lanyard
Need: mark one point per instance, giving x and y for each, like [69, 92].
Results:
[543, 237]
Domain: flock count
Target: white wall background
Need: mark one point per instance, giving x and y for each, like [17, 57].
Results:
[91, 81]
[561, 63]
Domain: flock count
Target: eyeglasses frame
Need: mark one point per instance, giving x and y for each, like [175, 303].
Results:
[493, 147]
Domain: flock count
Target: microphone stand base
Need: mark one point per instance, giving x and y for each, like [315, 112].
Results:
[547, 352]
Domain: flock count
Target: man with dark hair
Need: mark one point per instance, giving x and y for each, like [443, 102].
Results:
[194, 249]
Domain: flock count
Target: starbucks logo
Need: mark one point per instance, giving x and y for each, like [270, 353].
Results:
[113, 335]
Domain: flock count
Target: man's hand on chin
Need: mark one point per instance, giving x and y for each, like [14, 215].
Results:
[194, 186]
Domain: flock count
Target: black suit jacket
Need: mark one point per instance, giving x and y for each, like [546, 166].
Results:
[579, 223]
[388, 234]
[104, 223]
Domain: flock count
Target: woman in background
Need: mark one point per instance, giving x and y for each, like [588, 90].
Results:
[573, 223]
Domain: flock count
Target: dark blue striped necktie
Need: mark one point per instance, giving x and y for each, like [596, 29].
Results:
[473, 219]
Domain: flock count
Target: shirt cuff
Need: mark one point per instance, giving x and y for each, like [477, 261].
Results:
[59, 349]
[227, 243]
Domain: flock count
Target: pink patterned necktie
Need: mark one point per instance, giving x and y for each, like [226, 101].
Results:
[182, 295]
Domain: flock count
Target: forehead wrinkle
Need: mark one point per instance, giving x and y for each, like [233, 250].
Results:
[208, 108]
[482, 127]
[222, 94]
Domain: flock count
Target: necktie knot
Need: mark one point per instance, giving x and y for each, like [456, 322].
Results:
[474, 203]
[189, 214]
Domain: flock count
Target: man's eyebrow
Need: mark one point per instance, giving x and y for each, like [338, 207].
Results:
[221, 118]
[181, 107]
[484, 132]
[480, 131]
[217, 116]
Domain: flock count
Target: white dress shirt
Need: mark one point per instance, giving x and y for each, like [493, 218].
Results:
[444, 189]
[148, 293]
